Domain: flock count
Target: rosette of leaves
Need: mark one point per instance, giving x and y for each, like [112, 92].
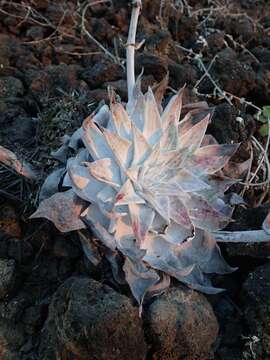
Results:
[150, 188]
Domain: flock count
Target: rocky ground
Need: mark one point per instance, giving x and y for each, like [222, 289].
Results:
[57, 59]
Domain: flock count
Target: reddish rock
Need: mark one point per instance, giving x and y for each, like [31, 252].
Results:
[89, 320]
[181, 325]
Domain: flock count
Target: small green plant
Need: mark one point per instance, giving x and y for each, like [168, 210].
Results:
[264, 117]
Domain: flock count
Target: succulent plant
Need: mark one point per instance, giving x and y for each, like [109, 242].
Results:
[150, 188]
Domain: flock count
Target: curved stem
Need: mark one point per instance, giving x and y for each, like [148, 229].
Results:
[130, 47]
[253, 236]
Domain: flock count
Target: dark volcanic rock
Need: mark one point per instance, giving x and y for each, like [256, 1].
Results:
[10, 87]
[256, 295]
[152, 65]
[100, 73]
[88, 320]
[181, 75]
[7, 277]
[181, 325]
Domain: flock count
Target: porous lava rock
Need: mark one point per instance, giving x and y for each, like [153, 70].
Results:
[256, 295]
[90, 321]
[181, 325]
[7, 277]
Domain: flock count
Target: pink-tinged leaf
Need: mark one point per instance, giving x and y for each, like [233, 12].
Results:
[210, 159]
[198, 281]
[179, 213]
[83, 183]
[63, 209]
[203, 251]
[160, 254]
[171, 113]
[189, 182]
[159, 91]
[236, 170]
[127, 195]
[121, 148]
[122, 230]
[141, 217]
[266, 224]
[94, 140]
[203, 215]
[98, 223]
[169, 139]
[105, 170]
[209, 140]
[160, 204]
[193, 138]
[141, 147]
[176, 234]
[133, 173]
[137, 114]
[152, 121]
[140, 278]
[121, 121]
[8, 158]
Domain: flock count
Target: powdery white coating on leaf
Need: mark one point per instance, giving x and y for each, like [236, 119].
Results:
[154, 192]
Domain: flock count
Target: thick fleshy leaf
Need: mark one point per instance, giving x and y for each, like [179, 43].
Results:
[121, 148]
[198, 281]
[127, 195]
[61, 153]
[193, 138]
[210, 159]
[137, 113]
[189, 182]
[84, 184]
[121, 121]
[76, 139]
[203, 250]
[98, 222]
[141, 146]
[102, 116]
[203, 215]
[159, 91]
[160, 205]
[179, 213]
[152, 121]
[94, 140]
[140, 278]
[176, 234]
[141, 217]
[63, 209]
[105, 170]
[171, 113]
[51, 184]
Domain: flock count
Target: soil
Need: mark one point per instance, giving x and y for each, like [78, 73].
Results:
[52, 75]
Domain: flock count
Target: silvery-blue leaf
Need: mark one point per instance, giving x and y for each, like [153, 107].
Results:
[51, 184]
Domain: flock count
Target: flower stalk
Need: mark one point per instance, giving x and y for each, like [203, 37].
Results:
[131, 46]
